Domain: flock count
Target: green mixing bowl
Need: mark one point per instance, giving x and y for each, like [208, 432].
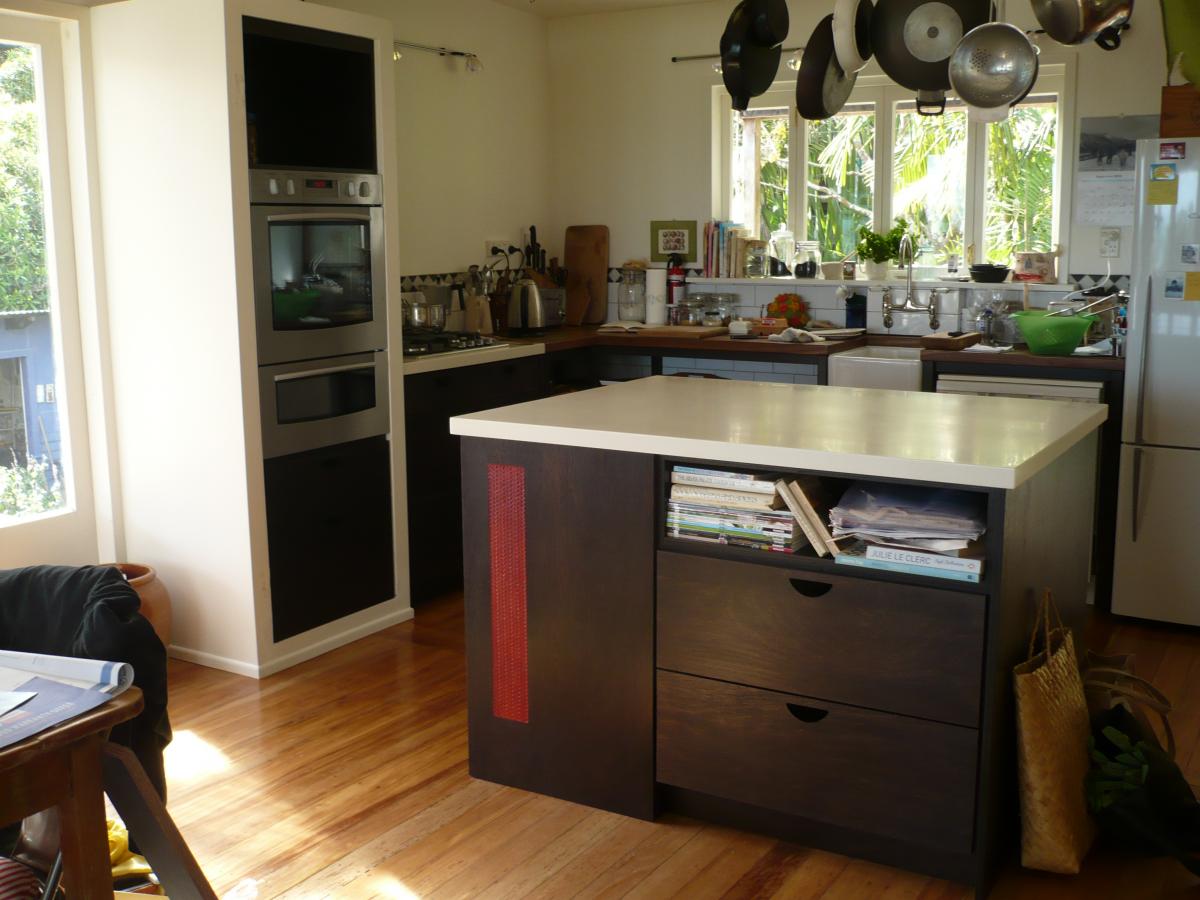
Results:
[1049, 335]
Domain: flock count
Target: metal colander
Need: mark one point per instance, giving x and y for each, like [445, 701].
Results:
[994, 65]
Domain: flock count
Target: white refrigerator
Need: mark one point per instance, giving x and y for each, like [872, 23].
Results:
[1158, 524]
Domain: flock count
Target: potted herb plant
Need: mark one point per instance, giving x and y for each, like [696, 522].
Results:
[877, 250]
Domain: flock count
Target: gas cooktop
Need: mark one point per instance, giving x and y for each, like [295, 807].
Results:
[425, 342]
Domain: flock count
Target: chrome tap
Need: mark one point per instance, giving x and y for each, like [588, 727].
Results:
[907, 257]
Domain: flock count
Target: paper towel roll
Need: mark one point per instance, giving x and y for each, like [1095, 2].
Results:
[656, 296]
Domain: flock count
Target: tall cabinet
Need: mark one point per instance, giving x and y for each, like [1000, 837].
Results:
[171, 143]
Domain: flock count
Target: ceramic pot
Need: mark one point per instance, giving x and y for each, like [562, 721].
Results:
[155, 601]
[876, 271]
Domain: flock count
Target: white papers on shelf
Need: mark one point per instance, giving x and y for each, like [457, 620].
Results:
[911, 515]
[16, 668]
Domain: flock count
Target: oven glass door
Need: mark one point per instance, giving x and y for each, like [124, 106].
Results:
[317, 273]
[323, 402]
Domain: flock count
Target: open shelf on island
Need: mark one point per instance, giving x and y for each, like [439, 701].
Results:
[804, 557]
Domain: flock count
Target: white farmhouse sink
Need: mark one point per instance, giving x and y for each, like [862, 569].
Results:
[891, 368]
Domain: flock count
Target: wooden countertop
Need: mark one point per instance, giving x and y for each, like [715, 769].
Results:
[1025, 358]
[573, 337]
[559, 340]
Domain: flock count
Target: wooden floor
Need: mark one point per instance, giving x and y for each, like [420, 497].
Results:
[347, 777]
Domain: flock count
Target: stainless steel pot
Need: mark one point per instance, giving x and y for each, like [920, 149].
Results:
[1076, 21]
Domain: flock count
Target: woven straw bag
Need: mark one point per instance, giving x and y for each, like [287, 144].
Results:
[1052, 749]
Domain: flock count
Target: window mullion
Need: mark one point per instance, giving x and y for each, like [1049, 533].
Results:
[976, 189]
[884, 140]
[798, 177]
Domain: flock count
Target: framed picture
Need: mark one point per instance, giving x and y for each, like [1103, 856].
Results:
[673, 236]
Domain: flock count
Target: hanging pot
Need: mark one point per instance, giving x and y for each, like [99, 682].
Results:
[822, 88]
[747, 67]
[913, 40]
[994, 65]
[768, 21]
[852, 33]
[1076, 21]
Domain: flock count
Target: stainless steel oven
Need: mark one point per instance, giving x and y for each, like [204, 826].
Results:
[323, 402]
[318, 271]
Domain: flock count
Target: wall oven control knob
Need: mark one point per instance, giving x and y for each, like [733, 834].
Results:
[350, 189]
[364, 189]
[272, 186]
[291, 187]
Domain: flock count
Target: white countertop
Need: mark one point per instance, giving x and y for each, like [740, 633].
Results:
[955, 439]
[438, 362]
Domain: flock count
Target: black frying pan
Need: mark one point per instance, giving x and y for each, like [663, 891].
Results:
[747, 67]
[768, 20]
[822, 88]
[913, 40]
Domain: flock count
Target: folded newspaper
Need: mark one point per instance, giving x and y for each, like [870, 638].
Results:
[39, 691]
[94, 674]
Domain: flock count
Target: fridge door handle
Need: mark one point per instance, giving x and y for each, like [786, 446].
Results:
[1141, 393]
[1135, 500]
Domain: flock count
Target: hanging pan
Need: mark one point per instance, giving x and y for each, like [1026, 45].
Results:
[822, 88]
[747, 67]
[913, 41]
[994, 66]
[852, 33]
[1076, 21]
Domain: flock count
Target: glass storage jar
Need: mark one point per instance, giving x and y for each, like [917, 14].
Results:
[631, 295]
[807, 259]
[757, 259]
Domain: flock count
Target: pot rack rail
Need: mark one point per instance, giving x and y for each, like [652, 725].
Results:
[474, 63]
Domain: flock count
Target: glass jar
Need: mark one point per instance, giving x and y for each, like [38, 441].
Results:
[631, 295]
[783, 247]
[807, 262]
[757, 259]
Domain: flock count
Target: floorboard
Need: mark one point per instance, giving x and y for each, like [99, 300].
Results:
[346, 777]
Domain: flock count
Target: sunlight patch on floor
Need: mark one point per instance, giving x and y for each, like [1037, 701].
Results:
[190, 758]
[391, 887]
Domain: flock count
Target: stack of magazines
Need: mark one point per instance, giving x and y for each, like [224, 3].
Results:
[917, 530]
[734, 508]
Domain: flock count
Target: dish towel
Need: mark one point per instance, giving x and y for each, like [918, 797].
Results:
[795, 336]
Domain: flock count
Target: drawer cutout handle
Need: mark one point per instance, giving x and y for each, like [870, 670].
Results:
[810, 588]
[808, 714]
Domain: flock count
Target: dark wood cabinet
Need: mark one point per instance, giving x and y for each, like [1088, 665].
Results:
[435, 545]
[560, 621]
[910, 650]
[898, 776]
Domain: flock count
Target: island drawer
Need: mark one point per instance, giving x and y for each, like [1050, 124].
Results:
[912, 650]
[886, 774]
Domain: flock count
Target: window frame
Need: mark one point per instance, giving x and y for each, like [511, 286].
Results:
[1053, 78]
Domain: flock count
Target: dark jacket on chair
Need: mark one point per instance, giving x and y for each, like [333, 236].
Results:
[92, 613]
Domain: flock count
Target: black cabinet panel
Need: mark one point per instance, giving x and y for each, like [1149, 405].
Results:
[329, 521]
[431, 399]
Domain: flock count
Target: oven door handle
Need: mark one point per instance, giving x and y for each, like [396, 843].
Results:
[362, 218]
[314, 373]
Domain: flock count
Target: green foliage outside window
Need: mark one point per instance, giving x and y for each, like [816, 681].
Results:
[23, 282]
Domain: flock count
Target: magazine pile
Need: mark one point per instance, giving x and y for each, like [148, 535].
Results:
[38, 691]
[914, 530]
[733, 508]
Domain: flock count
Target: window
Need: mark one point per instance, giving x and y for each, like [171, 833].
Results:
[995, 188]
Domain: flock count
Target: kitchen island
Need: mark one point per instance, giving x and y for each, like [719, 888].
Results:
[862, 711]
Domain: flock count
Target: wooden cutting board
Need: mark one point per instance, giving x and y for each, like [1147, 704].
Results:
[585, 253]
[684, 331]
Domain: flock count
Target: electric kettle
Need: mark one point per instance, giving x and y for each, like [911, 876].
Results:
[526, 309]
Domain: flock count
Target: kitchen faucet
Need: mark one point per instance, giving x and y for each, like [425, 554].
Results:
[906, 257]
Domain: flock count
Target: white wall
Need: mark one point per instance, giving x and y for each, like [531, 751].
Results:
[632, 135]
[473, 147]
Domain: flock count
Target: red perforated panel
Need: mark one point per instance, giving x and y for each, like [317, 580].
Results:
[510, 636]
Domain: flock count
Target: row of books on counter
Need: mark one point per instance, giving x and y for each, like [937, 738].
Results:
[896, 528]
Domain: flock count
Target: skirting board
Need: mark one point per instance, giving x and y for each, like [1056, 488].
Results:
[251, 670]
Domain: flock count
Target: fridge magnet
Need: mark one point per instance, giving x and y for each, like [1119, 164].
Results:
[1174, 289]
[1172, 150]
[1191, 286]
[1190, 255]
[671, 237]
[1163, 189]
